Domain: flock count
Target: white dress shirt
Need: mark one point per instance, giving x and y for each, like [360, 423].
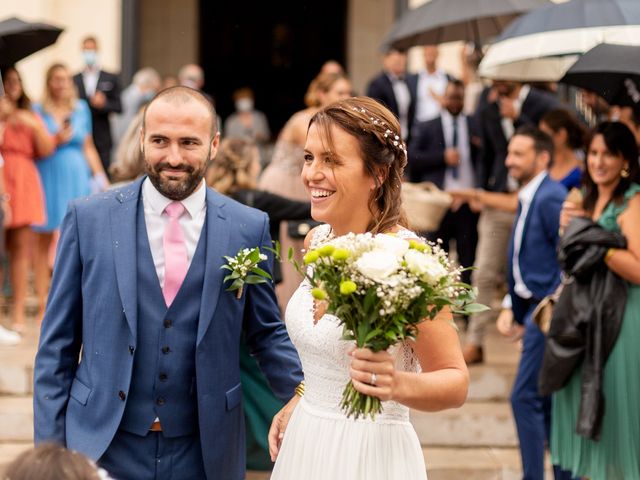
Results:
[403, 99]
[90, 79]
[428, 107]
[525, 196]
[191, 222]
[465, 177]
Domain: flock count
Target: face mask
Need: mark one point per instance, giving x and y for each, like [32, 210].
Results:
[244, 104]
[90, 57]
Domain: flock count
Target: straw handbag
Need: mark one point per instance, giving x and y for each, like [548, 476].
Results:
[425, 205]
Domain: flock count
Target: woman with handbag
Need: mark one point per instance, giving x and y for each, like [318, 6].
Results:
[611, 199]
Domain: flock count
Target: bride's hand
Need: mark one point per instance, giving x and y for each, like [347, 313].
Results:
[365, 364]
[279, 425]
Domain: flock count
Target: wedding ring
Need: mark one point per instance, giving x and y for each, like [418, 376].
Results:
[373, 378]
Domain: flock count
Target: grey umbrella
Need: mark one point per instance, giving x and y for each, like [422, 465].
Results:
[19, 39]
[611, 71]
[440, 21]
[561, 29]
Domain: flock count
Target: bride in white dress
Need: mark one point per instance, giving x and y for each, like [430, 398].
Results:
[353, 166]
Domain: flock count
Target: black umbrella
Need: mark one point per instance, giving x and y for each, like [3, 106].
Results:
[19, 39]
[440, 21]
[611, 71]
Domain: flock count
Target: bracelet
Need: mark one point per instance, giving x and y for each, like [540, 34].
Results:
[609, 253]
[300, 389]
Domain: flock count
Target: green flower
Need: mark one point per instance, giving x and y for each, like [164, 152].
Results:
[347, 287]
[311, 256]
[318, 293]
[326, 250]
[419, 246]
[340, 254]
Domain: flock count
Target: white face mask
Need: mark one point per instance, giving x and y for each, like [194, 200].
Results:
[244, 104]
[90, 57]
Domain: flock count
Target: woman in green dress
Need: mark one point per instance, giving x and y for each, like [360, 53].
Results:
[612, 198]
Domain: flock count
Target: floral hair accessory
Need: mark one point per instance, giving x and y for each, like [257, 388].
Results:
[391, 136]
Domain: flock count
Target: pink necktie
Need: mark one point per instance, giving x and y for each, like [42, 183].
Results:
[175, 253]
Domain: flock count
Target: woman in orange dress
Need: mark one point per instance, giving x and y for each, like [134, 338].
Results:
[25, 138]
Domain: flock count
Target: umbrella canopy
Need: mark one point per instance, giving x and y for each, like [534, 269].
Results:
[563, 29]
[440, 21]
[19, 39]
[611, 71]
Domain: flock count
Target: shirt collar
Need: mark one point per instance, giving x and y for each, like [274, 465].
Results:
[194, 203]
[526, 193]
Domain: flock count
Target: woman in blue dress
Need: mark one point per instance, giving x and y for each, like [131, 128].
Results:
[66, 174]
[568, 138]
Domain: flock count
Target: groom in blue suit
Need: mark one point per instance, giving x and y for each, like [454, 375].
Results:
[533, 273]
[138, 362]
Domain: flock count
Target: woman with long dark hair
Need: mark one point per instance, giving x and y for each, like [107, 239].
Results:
[612, 199]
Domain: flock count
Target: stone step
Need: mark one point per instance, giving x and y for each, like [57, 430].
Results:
[475, 424]
[9, 451]
[16, 418]
[16, 375]
[490, 382]
[476, 464]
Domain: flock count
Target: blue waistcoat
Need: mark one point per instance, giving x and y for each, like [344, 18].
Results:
[163, 382]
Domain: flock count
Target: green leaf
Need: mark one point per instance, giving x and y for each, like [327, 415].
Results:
[255, 279]
[475, 308]
[259, 271]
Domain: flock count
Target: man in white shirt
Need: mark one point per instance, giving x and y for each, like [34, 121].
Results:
[396, 89]
[432, 82]
[533, 273]
[138, 362]
[101, 90]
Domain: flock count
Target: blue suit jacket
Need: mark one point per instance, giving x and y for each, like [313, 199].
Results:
[84, 362]
[538, 252]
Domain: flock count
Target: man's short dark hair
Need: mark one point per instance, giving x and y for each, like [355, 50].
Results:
[455, 82]
[182, 94]
[542, 142]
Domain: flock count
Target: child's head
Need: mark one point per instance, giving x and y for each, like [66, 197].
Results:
[52, 462]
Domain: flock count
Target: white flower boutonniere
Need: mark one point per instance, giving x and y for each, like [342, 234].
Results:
[244, 269]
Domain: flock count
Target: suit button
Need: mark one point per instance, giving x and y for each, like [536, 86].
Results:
[167, 323]
[163, 377]
[165, 350]
[132, 349]
[160, 401]
[122, 395]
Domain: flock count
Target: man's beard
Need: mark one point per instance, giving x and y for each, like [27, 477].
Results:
[174, 189]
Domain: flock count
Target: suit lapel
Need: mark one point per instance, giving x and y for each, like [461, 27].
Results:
[123, 237]
[216, 248]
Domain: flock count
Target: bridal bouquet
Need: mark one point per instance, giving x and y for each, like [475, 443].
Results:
[381, 287]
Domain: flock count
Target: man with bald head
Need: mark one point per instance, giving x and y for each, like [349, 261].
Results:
[138, 362]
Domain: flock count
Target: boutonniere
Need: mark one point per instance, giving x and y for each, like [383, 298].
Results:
[244, 269]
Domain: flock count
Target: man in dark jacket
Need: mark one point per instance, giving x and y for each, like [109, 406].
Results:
[395, 89]
[517, 105]
[533, 273]
[102, 91]
[445, 151]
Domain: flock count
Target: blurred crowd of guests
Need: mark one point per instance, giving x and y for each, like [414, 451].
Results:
[507, 152]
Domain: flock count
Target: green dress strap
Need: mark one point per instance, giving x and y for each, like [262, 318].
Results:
[609, 218]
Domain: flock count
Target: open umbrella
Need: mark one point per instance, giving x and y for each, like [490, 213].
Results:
[561, 29]
[440, 21]
[19, 39]
[611, 71]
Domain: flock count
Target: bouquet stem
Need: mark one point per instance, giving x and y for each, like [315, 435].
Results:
[358, 404]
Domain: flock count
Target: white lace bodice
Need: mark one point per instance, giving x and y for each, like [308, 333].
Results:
[323, 353]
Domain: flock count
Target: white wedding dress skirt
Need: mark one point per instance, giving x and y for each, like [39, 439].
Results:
[320, 442]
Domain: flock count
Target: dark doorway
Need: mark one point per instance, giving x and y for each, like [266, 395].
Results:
[274, 47]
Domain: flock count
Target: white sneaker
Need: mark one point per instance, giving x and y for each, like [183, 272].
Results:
[9, 337]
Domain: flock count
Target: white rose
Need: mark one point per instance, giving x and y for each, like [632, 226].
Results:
[426, 266]
[392, 244]
[377, 265]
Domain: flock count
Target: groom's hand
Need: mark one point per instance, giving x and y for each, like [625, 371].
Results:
[279, 425]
